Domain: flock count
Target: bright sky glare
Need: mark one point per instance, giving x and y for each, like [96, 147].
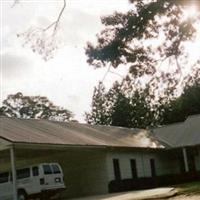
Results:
[67, 80]
[190, 11]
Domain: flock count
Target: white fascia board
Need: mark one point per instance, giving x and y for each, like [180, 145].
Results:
[4, 144]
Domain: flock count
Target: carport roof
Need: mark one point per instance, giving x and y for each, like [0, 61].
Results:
[31, 131]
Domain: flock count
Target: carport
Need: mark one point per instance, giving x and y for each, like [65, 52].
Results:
[83, 167]
[83, 158]
[6, 145]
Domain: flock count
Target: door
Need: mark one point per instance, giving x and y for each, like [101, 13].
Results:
[48, 175]
[133, 168]
[153, 167]
[116, 168]
[53, 176]
[35, 180]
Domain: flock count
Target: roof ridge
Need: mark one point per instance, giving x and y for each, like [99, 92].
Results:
[173, 124]
[192, 116]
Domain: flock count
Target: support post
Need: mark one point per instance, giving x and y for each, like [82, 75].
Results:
[13, 167]
[185, 158]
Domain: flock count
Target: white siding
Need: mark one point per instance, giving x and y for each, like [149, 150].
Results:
[124, 161]
[164, 163]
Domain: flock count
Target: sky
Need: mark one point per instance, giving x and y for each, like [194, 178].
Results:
[67, 79]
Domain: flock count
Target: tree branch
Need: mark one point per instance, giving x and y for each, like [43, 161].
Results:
[56, 22]
[108, 70]
[60, 14]
[43, 40]
[116, 74]
[14, 3]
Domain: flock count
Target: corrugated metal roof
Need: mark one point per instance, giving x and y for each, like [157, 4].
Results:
[51, 132]
[180, 134]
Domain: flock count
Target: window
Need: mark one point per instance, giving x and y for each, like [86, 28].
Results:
[35, 171]
[153, 168]
[23, 173]
[47, 169]
[4, 177]
[116, 167]
[133, 168]
[56, 169]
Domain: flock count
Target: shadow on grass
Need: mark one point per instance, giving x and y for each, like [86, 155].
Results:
[192, 188]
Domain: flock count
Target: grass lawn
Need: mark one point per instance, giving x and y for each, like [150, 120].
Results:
[189, 188]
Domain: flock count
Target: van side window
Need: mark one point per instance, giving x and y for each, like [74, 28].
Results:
[47, 169]
[56, 169]
[35, 171]
[4, 177]
[23, 173]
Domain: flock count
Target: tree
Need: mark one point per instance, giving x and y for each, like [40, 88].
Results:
[137, 108]
[133, 112]
[147, 38]
[99, 113]
[37, 107]
[119, 107]
[180, 108]
[121, 112]
[150, 37]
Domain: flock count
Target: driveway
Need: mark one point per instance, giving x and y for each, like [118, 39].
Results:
[135, 195]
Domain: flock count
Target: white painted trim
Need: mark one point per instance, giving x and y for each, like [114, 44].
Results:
[13, 167]
[185, 158]
[4, 144]
[40, 146]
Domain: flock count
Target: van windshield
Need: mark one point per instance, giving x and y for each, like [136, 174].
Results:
[56, 169]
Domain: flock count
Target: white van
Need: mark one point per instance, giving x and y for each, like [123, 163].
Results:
[43, 180]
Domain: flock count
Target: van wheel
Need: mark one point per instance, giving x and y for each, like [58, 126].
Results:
[22, 195]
